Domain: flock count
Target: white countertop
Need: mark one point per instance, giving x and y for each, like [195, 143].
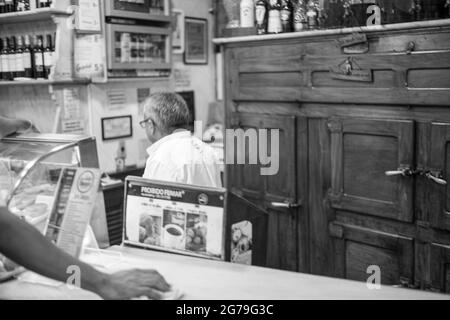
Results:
[203, 279]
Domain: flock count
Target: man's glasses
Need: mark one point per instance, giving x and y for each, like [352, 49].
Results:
[143, 123]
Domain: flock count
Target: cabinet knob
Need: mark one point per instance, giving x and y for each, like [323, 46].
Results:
[406, 172]
[285, 205]
[411, 47]
[436, 178]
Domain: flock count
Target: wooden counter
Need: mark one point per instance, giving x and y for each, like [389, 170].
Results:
[211, 280]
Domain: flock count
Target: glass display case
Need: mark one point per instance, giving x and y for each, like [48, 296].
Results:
[30, 167]
[30, 175]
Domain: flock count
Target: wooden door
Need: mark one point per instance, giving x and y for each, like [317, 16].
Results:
[367, 159]
[276, 194]
[357, 248]
[438, 174]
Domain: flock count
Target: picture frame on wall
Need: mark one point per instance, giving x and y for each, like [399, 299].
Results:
[178, 34]
[196, 41]
[114, 128]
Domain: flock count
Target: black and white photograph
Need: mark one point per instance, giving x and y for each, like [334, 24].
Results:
[237, 157]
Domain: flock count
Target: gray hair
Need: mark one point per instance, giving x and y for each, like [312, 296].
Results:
[170, 110]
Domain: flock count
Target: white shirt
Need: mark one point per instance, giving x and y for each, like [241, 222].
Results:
[183, 158]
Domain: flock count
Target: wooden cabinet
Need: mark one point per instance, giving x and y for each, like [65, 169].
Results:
[364, 163]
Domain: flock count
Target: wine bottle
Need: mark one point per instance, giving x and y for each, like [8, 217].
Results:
[48, 56]
[12, 58]
[20, 70]
[27, 58]
[6, 72]
[2, 8]
[38, 53]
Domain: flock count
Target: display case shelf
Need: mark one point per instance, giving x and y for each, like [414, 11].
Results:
[35, 15]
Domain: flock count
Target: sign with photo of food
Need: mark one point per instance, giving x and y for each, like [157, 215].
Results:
[175, 218]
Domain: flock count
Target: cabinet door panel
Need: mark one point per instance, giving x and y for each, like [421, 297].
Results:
[248, 178]
[362, 151]
[440, 267]
[249, 182]
[358, 248]
[440, 166]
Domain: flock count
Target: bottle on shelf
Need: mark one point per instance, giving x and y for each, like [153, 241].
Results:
[12, 58]
[2, 8]
[261, 16]
[22, 5]
[247, 14]
[286, 16]
[38, 52]
[20, 69]
[43, 3]
[6, 71]
[416, 10]
[312, 13]
[9, 6]
[27, 58]
[274, 21]
[48, 56]
[300, 18]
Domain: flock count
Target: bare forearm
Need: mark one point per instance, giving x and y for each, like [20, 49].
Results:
[24, 245]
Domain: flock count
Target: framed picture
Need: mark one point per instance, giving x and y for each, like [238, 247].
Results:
[196, 43]
[117, 128]
[178, 31]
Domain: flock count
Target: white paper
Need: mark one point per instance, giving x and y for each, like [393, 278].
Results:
[88, 18]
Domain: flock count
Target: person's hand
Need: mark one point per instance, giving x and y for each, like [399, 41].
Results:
[133, 284]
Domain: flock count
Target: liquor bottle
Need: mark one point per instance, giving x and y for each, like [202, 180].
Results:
[42, 4]
[313, 15]
[38, 52]
[447, 7]
[22, 5]
[261, 16]
[20, 70]
[9, 6]
[247, 14]
[286, 16]
[48, 56]
[274, 21]
[300, 18]
[27, 58]
[2, 8]
[416, 10]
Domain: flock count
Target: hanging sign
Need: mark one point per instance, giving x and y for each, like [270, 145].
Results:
[349, 70]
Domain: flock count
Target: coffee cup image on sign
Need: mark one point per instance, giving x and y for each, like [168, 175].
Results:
[174, 237]
[174, 226]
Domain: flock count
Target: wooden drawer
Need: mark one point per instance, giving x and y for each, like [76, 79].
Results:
[299, 70]
[440, 267]
[358, 248]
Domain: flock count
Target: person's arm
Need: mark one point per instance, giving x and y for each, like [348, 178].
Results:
[23, 244]
[10, 126]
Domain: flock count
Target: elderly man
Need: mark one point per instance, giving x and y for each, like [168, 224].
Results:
[176, 155]
[23, 244]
